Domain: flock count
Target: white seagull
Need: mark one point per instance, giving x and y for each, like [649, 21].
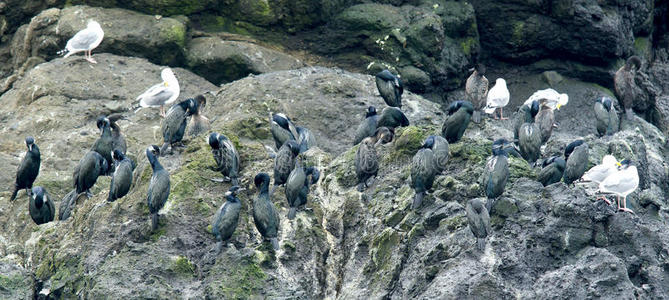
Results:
[162, 93]
[85, 40]
[621, 183]
[550, 97]
[599, 172]
[498, 97]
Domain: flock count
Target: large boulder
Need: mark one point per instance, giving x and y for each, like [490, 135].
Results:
[439, 38]
[222, 61]
[161, 40]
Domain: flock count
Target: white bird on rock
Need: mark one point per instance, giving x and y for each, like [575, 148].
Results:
[161, 94]
[599, 172]
[498, 97]
[85, 40]
[550, 98]
[621, 183]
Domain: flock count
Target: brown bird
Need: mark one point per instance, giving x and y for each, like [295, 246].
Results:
[626, 89]
[476, 90]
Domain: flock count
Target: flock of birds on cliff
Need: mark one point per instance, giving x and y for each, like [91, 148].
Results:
[532, 127]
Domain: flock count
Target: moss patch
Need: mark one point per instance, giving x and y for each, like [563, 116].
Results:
[183, 266]
[243, 281]
[382, 247]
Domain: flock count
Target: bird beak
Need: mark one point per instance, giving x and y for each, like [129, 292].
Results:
[555, 125]
[618, 164]
[558, 106]
[166, 83]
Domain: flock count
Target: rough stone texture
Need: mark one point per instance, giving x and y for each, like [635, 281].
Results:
[517, 30]
[547, 242]
[437, 37]
[161, 40]
[224, 61]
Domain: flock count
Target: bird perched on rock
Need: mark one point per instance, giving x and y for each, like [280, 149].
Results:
[392, 117]
[476, 90]
[368, 126]
[440, 148]
[28, 169]
[366, 160]
[423, 171]
[621, 183]
[226, 218]
[526, 113]
[173, 126]
[226, 157]
[265, 216]
[104, 145]
[297, 186]
[390, 87]
[529, 135]
[305, 139]
[545, 118]
[457, 120]
[625, 84]
[118, 140]
[159, 186]
[576, 154]
[284, 162]
[552, 170]
[607, 117]
[68, 203]
[549, 97]
[161, 94]
[498, 97]
[86, 173]
[41, 207]
[479, 221]
[282, 129]
[199, 124]
[496, 172]
[85, 40]
[122, 177]
[600, 172]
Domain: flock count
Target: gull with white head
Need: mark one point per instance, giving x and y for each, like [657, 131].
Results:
[621, 183]
[161, 94]
[85, 40]
[498, 97]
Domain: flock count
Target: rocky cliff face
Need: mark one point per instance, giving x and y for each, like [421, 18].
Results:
[547, 242]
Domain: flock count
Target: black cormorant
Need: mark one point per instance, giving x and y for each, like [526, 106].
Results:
[457, 120]
[390, 87]
[265, 215]
[28, 169]
[159, 186]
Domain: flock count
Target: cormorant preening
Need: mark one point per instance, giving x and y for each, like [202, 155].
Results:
[390, 87]
[525, 114]
[607, 117]
[297, 187]
[159, 186]
[226, 218]
[552, 170]
[368, 126]
[392, 117]
[118, 140]
[282, 129]
[441, 153]
[576, 155]
[423, 171]
[28, 169]
[41, 207]
[496, 172]
[226, 157]
[305, 139]
[173, 126]
[366, 160]
[122, 178]
[199, 124]
[104, 145]
[86, 173]
[284, 162]
[625, 85]
[545, 118]
[68, 203]
[479, 221]
[476, 90]
[265, 215]
[529, 135]
[457, 120]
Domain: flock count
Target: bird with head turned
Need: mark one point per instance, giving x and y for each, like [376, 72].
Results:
[198, 124]
[621, 183]
[476, 90]
[121, 178]
[496, 172]
[284, 162]
[173, 125]
[161, 94]
[552, 170]
[607, 118]
[297, 186]
[41, 206]
[282, 129]
[459, 114]
[226, 157]
[368, 126]
[390, 87]
[479, 221]
[625, 85]
[576, 154]
[85, 41]
[226, 218]
[104, 145]
[28, 168]
[529, 135]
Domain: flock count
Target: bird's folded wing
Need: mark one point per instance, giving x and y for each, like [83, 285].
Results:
[83, 39]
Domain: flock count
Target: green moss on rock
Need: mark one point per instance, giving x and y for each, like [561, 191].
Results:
[181, 265]
[383, 246]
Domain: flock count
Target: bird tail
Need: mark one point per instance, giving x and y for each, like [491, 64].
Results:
[480, 242]
[154, 221]
[16, 191]
[163, 149]
[476, 117]
[219, 247]
[292, 213]
[275, 243]
[417, 200]
[629, 114]
[489, 204]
